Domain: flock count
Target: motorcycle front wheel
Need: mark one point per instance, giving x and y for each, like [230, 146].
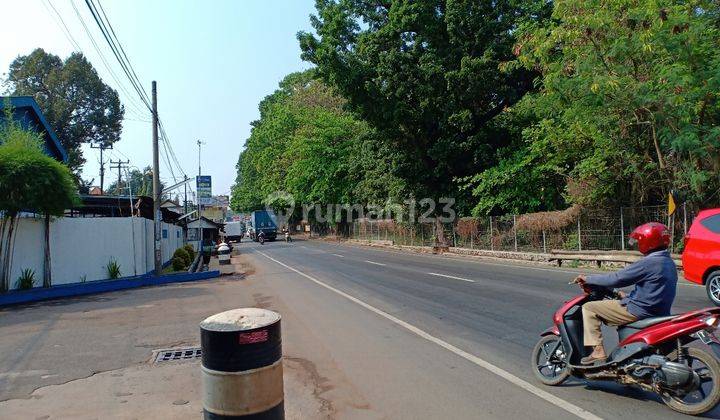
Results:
[707, 396]
[548, 361]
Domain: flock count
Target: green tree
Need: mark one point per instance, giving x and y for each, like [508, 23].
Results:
[29, 181]
[140, 183]
[525, 179]
[307, 144]
[76, 102]
[629, 103]
[429, 75]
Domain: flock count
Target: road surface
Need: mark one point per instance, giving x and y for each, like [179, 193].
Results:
[367, 333]
[430, 336]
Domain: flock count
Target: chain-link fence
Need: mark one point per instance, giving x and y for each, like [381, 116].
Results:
[574, 229]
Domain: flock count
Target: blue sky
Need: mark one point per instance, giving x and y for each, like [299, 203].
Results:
[213, 61]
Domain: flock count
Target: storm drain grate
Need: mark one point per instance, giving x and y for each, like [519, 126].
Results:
[170, 355]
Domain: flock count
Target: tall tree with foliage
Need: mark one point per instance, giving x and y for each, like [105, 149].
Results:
[629, 103]
[29, 181]
[525, 178]
[305, 143]
[429, 75]
[76, 102]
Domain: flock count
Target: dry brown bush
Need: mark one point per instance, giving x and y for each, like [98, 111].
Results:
[388, 225]
[548, 220]
[467, 227]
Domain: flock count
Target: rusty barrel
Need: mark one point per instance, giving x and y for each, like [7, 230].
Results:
[242, 374]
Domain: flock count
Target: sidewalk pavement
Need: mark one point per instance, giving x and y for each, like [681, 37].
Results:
[103, 373]
[170, 391]
[236, 265]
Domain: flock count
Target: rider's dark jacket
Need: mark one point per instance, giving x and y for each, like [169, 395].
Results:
[655, 280]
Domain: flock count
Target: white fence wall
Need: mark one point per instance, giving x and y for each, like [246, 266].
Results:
[80, 248]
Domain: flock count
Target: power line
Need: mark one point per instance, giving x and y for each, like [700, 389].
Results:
[172, 152]
[123, 154]
[167, 145]
[121, 47]
[167, 161]
[102, 148]
[124, 65]
[135, 84]
[64, 29]
[69, 36]
[131, 101]
[108, 31]
[119, 165]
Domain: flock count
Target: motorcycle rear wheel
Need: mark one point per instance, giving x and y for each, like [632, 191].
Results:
[548, 361]
[710, 372]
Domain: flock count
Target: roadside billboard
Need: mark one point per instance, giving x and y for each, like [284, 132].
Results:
[204, 190]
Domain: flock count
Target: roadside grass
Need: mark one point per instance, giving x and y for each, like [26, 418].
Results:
[169, 270]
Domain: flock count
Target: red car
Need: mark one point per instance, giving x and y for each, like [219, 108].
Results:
[701, 256]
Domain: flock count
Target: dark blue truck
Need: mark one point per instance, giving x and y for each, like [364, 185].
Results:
[265, 221]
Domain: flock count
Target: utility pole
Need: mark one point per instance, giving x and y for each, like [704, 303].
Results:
[102, 148]
[199, 143]
[185, 212]
[119, 165]
[199, 206]
[156, 182]
[185, 201]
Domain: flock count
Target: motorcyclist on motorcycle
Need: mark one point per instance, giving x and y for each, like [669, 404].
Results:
[286, 232]
[655, 280]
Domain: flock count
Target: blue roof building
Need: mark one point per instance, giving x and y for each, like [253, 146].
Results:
[27, 112]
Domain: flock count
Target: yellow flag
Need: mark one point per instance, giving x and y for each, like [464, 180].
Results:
[671, 204]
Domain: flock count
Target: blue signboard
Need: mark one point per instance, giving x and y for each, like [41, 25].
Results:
[204, 190]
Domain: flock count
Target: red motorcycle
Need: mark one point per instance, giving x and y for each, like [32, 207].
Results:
[653, 354]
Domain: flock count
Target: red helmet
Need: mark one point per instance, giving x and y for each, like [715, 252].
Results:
[650, 237]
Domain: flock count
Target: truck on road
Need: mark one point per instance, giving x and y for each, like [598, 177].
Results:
[263, 221]
[234, 231]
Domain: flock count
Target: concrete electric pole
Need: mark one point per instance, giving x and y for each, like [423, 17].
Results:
[156, 182]
[199, 206]
[119, 165]
[102, 148]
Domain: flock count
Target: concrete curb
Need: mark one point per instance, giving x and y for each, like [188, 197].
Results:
[99, 286]
[529, 257]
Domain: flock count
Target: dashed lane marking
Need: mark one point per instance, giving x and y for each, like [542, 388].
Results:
[376, 263]
[451, 277]
[521, 383]
[509, 264]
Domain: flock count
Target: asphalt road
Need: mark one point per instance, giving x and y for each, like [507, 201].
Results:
[444, 312]
[367, 333]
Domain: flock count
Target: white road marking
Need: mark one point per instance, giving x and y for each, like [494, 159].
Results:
[451, 277]
[468, 259]
[338, 255]
[552, 399]
[509, 264]
[376, 263]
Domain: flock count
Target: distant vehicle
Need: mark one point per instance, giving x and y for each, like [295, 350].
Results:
[234, 231]
[263, 220]
[701, 256]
